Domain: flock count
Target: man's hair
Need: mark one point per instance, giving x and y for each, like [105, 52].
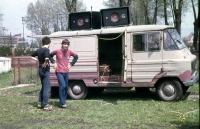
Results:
[65, 41]
[46, 40]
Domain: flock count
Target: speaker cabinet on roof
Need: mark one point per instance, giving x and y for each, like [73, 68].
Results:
[115, 16]
[84, 20]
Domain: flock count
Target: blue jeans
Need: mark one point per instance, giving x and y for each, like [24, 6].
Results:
[45, 90]
[63, 85]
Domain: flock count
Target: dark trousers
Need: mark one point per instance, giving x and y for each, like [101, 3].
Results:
[45, 90]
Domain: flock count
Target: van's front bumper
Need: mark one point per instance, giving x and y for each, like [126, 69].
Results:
[193, 81]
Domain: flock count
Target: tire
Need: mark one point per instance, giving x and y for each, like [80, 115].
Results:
[185, 88]
[141, 90]
[169, 90]
[96, 90]
[77, 90]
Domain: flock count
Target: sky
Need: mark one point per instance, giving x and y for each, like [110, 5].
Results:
[14, 10]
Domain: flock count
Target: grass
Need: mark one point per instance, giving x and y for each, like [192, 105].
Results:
[113, 109]
[6, 79]
[28, 76]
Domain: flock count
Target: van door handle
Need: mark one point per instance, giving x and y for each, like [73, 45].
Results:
[133, 61]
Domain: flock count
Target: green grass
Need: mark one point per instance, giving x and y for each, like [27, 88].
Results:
[6, 79]
[28, 76]
[109, 110]
[113, 109]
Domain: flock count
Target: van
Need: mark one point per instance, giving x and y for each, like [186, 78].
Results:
[142, 56]
[145, 56]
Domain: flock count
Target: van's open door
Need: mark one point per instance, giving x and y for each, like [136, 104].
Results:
[124, 52]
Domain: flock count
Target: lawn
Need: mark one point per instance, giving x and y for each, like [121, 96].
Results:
[112, 109]
[109, 110]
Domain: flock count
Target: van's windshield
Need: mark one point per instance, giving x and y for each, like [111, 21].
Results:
[172, 40]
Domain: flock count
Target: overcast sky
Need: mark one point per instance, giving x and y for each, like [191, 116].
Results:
[14, 10]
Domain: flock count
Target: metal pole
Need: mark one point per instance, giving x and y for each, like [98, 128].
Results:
[23, 27]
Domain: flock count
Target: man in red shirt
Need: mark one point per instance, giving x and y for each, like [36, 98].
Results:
[62, 66]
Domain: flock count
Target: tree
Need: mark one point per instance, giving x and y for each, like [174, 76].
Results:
[111, 3]
[177, 10]
[195, 26]
[165, 12]
[71, 5]
[47, 16]
[123, 3]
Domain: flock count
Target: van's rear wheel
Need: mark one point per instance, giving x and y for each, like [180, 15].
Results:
[169, 90]
[77, 90]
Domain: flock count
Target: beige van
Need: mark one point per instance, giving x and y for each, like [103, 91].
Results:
[144, 56]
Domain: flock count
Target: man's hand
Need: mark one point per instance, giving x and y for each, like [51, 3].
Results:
[45, 64]
[69, 66]
[55, 65]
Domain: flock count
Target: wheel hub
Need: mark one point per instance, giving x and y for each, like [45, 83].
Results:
[168, 90]
[76, 90]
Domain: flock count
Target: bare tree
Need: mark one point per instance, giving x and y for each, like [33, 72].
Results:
[123, 3]
[165, 12]
[147, 21]
[177, 11]
[155, 12]
[71, 5]
[195, 26]
[47, 16]
[111, 3]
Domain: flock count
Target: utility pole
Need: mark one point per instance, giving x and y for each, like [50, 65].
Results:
[3, 28]
[23, 20]
[11, 43]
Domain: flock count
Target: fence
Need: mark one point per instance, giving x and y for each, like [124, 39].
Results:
[25, 70]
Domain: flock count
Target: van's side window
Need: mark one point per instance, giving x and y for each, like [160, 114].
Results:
[139, 43]
[169, 43]
[153, 41]
[146, 42]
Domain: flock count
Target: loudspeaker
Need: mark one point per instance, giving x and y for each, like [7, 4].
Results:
[115, 16]
[84, 20]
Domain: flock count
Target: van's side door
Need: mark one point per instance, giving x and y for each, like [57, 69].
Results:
[146, 56]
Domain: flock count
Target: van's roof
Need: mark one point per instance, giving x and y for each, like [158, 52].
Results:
[133, 28]
[110, 30]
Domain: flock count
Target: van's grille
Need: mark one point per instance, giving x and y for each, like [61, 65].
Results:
[193, 66]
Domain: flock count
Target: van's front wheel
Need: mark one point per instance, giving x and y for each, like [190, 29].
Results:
[77, 90]
[169, 90]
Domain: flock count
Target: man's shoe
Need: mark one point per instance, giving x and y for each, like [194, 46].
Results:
[63, 106]
[47, 108]
[39, 105]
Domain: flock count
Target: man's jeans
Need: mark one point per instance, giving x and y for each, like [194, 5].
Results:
[63, 85]
[45, 90]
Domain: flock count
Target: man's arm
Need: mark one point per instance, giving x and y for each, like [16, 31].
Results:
[52, 60]
[74, 60]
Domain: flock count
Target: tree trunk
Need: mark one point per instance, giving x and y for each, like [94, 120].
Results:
[155, 12]
[147, 21]
[177, 15]
[165, 12]
[195, 27]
